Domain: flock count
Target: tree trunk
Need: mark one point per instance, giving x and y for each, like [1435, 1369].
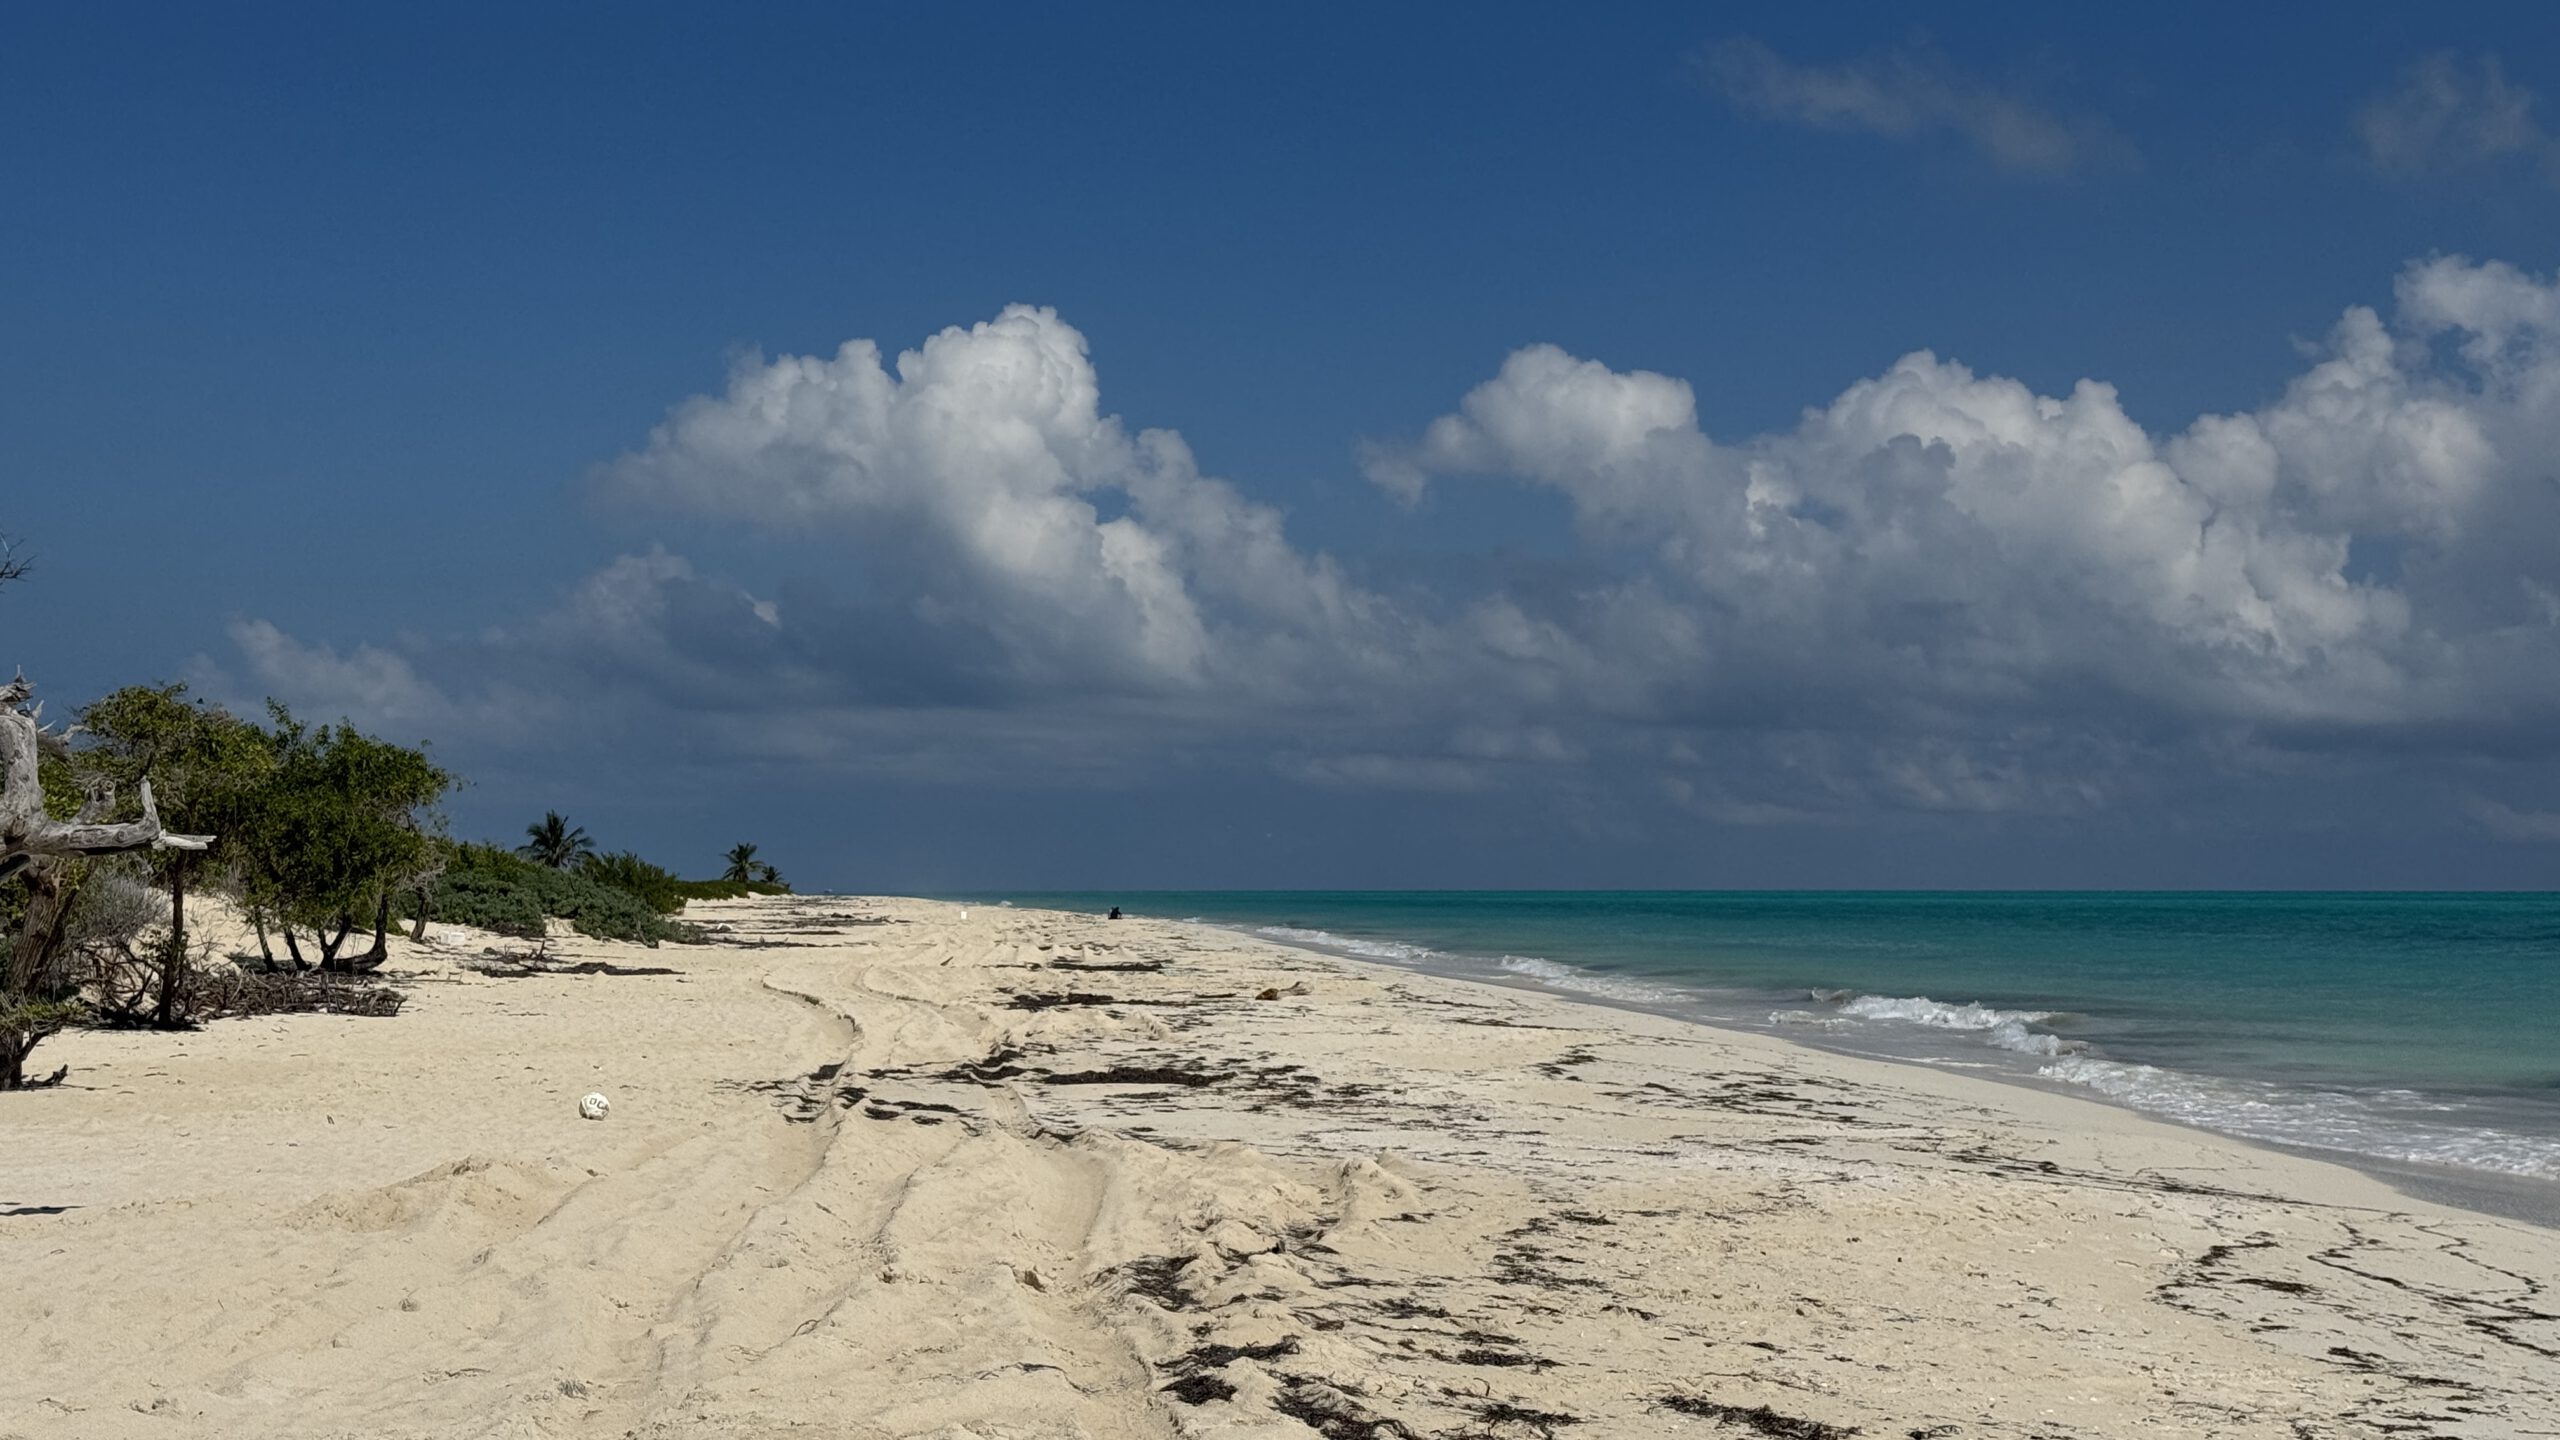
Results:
[39, 934]
[330, 946]
[374, 958]
[15, 1047]
[173, 967]
[293, 948]
[426, 902]
[27, 974]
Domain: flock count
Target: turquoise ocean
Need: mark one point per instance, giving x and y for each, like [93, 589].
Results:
[2402, 1030]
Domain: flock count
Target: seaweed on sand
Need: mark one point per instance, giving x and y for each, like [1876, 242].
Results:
[1557, 1068]
[1214, 1357]
[1199, 1389]
[502, 970]
[1503, 1412]
[803, 1099]
[1196, 1382]
[1059, 1000]
[1159, 1278]
[1503, 1359]
[997, 1066]
[1063, 999]
[1136, 1075]
[1528, 1265]
[1759, 1419]
[922, 1112]
[1334, 1415]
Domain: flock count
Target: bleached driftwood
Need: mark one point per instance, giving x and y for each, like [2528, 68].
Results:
[28, 834]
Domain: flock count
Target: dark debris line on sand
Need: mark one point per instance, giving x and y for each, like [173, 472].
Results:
[804, 1099]
[1759, 1419]
[1056, 1000]
[1136, 1075]
[1199, 1388]
[1159, 1278]
[504, 970]
[1503, 1412]
[1336, 1416]
[1195, 1382]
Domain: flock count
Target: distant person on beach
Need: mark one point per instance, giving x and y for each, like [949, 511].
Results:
[1115, 913]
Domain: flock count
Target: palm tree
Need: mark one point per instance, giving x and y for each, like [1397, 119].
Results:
[742, 863]
[555, 843]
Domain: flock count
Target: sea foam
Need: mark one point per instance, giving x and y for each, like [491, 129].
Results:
[2002, 1029]
[1393, 951]
[2375, 1125]
[1585, 982]
[1545, 972]
[2360, 1124]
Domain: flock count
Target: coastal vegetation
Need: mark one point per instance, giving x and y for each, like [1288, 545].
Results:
[323, 835]
[608, 897]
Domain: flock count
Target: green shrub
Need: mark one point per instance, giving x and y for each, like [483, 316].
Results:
[610, 914]
[659, 889]
[495, 889]
[482, 901]
[727, 889]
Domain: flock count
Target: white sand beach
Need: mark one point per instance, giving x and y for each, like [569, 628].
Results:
[875, 1169]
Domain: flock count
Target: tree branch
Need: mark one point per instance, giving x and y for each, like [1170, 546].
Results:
[27, 832]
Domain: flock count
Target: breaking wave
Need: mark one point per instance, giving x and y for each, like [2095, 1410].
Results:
[2386, 1125]
[1584, 982]
[1394, 952]
[1545, 972]
[2360, 1124]
[2018, 1030]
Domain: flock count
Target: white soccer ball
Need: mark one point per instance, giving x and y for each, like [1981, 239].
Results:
[594, 1107]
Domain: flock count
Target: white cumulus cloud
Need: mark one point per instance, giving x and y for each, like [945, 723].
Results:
[1940, 591]
[979, 477]
[1939, 537]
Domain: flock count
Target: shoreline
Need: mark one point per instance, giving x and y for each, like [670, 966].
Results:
[876, 1169]
[2522, 1199]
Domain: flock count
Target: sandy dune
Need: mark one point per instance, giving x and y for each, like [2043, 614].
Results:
[876, 1170]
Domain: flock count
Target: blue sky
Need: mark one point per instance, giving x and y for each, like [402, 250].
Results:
[336, 337]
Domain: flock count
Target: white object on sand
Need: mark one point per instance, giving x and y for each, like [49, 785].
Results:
[594, 1106]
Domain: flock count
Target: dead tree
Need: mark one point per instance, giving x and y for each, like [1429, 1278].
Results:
[38, 851]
